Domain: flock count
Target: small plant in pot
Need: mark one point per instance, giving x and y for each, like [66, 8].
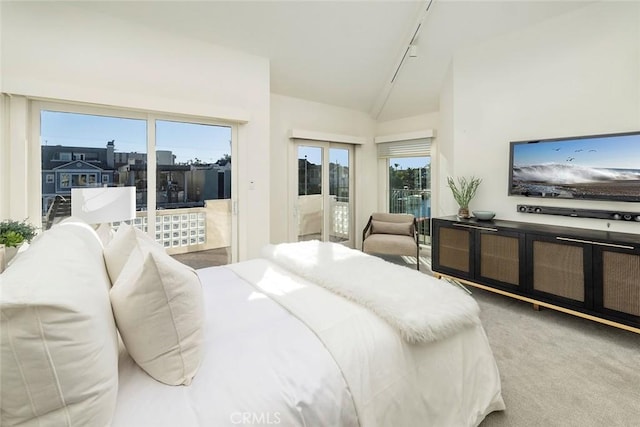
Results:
[13, 234]
[463, 191]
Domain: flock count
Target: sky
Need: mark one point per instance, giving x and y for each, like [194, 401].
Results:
[621, 152]
[186, 140]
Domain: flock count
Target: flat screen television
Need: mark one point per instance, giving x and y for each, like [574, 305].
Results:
[595, 167]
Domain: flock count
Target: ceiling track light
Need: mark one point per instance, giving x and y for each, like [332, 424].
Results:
[410, 51]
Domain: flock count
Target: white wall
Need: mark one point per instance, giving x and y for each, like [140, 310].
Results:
[60, 51]
[421, 122]
[441, 199]
[576, 74]
[291, 113]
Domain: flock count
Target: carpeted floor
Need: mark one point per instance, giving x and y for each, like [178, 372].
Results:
[560, 370]
[557, 369]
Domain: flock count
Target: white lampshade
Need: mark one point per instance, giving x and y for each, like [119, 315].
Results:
[103, 204]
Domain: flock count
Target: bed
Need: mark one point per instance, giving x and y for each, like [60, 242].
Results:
[281, 349]
[309, 334]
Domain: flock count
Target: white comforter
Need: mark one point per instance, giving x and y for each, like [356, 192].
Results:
[260, 367]
[263, 366]
[420, 307]
[449, 382]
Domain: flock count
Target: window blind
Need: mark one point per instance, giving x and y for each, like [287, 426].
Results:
[408, 148]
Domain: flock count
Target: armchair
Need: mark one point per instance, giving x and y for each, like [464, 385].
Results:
[391, 234]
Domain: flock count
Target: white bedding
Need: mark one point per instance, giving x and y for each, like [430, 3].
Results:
[422, 308]
[449, 382]
[259, 363]
[264, 364]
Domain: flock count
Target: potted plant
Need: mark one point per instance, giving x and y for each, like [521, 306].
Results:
[463, 192]
[12, 235]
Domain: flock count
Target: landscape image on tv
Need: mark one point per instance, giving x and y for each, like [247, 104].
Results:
[598, 168]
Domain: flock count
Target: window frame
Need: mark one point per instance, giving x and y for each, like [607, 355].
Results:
[37, 106]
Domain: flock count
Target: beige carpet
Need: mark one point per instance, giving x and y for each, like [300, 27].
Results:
[560, 370]
[556, 369]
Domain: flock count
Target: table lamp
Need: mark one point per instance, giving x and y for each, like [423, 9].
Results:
[102, 205]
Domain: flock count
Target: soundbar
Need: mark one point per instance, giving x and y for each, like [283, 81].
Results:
[580, 213]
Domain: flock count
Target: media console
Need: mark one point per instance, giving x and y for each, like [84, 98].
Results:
[588, 273]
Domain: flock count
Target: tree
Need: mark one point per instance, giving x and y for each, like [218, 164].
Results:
[222, 161]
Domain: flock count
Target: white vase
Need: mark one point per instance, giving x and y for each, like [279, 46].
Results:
[7, 255]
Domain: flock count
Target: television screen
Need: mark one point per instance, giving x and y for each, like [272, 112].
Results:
[599, 167]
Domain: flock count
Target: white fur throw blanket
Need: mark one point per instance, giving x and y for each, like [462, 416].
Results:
[422, 308]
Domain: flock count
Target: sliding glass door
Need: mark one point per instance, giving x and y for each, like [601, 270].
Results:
[193, 187]
[81, 150]
[323, 208]
[181, 169]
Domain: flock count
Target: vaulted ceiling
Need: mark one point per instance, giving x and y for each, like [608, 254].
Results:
[346, 53]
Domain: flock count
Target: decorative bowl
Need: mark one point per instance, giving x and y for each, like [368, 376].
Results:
[484, 215]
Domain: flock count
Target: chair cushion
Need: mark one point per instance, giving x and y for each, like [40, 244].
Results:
[390, 244]
[392, 217]
[159, 310]
[59, 353]
[384, 227]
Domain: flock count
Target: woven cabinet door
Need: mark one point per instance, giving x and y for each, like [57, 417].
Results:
[561, 269]
[500, 258]
[621, 282]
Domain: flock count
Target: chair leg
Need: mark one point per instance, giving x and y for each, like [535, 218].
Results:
[418, 258]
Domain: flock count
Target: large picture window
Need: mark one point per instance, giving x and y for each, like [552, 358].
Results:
[181, 170]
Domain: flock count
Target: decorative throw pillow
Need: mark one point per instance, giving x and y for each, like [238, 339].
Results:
[383, 227]
[159, 311]
[127, 242]
[59, 352]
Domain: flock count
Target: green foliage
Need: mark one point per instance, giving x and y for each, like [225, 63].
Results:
[11, 239]
[13, 233]
[410, 178]
[464, 191]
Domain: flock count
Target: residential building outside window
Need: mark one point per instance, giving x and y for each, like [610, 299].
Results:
[189, 207]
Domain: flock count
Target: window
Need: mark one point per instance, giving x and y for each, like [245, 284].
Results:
[82, 179]
[193, 163]
[184, 201]
[410, 186]
[408, 179]
[50, 178]
[65, 180]
[324, 202]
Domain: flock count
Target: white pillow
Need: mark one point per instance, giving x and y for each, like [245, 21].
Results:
[59, 352]
[159, 311]
[127, 242]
